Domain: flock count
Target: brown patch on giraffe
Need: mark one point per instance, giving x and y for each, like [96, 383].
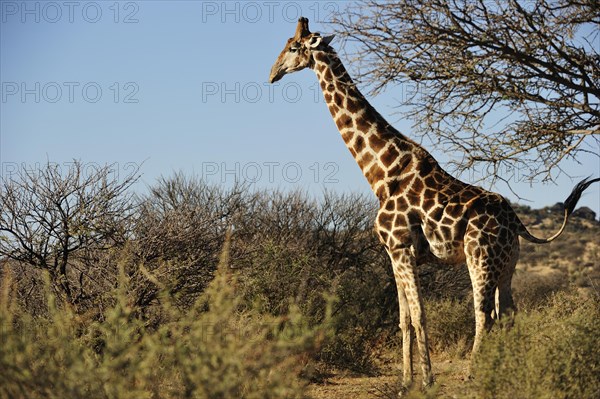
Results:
[483, 219]
[359, 144]
[403, 164]
[394, 187]
[443, 199]
[352, 105]
[376, 142]
[338, 69]
[429, 193]
[383, 236]
[390, 206]
[417, 187]
[473, 232]
[390, 156]
[363, 124]
[385, 220]
[328, 76]
[454, 210]
[443, 179]
[337, 99]
[447, 221]
[367, 158]
[327, 97]
[428, 203]
[333, 109]
[321, 56]
[414, 218]
[436, 214]
[466, 195]
[347, 136]
[327, 87]
[406, 180]
[429, 182]
[365, 161]
[402, 220]
[425, 167]
[374, 174]
[401, 203]
[344, 121]
[380, 193]
[404, 146]
[459, 227]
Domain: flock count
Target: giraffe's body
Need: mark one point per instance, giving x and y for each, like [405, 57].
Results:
[424, 212]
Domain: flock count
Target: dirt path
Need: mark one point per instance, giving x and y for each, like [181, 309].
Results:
[450, 382]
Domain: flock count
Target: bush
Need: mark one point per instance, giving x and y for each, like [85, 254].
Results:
[308, 250]
[450, 325]
[213, 350]
[550, 353]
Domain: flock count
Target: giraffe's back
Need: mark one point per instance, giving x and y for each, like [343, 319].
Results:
[447, 209]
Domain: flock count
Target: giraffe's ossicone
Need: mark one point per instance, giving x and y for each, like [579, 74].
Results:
[424, 212]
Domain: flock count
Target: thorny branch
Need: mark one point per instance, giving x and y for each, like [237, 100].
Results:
[507, 84]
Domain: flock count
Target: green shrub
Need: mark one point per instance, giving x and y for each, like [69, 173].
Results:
[213, 350]
[450, 325]
[549, 353]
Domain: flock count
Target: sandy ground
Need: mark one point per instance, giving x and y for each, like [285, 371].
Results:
[450, 381]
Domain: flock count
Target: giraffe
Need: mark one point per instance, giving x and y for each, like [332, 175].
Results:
[425, 214]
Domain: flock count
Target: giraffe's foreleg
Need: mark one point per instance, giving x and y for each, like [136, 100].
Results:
[407, 336]
[405, 272]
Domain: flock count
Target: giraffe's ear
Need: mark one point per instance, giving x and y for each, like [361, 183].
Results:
[315, 41]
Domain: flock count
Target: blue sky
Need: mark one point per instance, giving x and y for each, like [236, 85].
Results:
[182, 86]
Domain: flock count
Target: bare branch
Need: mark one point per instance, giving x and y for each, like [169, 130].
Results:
[474, 60]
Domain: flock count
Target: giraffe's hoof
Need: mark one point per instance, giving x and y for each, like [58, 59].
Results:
[404, 388]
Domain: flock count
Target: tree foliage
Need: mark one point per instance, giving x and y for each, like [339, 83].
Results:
[507, 84]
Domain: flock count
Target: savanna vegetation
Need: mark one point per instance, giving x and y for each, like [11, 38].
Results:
[197, 291]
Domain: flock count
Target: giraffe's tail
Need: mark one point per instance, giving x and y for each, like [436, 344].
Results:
[570, 204]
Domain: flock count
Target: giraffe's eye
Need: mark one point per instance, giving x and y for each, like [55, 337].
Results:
[293, 49]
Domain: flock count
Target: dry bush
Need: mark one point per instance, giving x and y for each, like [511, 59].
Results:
[552, 352]
[61, 220]
[451, 325]
[179, 230]
[212, 350]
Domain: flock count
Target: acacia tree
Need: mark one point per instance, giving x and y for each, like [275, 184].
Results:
[51, 217]
[508, 84]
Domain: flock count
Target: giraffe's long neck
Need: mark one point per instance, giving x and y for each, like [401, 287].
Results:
[381, 151]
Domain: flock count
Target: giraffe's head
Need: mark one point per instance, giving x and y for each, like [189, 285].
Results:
[298, 51]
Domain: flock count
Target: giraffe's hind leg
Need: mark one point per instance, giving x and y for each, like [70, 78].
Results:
[485, 282]
[505, 305]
